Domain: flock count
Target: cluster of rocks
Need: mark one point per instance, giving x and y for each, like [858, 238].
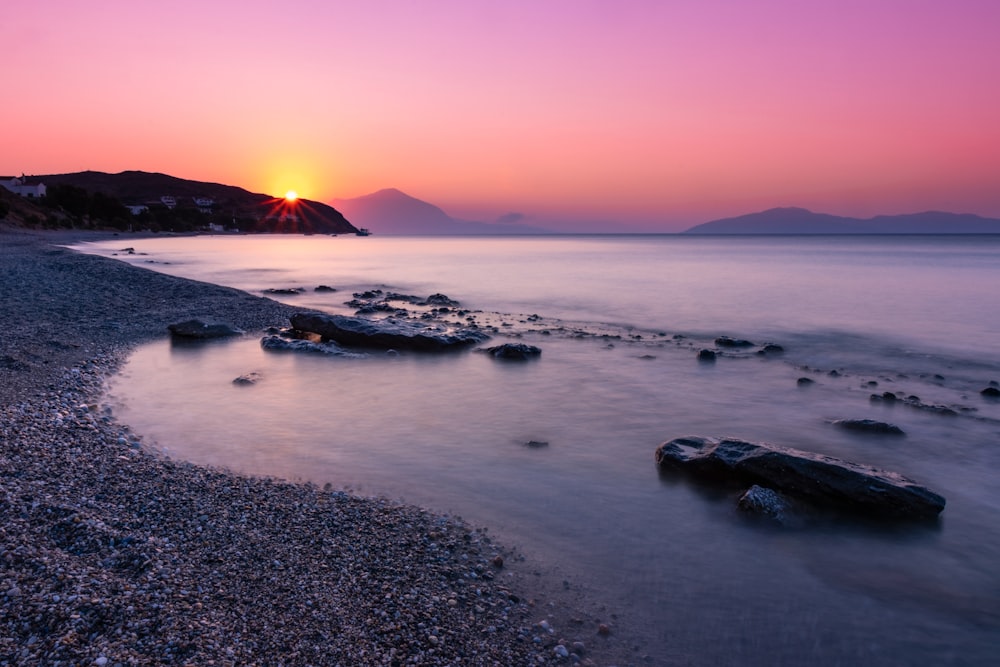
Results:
[728, 343]
[780, 472]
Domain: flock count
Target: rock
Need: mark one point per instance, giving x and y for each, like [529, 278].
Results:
[386, 333]
[991, 392]
[726, 341]
[514, 352]
[869, 426]
[763, 501]
[770, 348]
[281, 344]
[441, 300]
[805, 382]
[822, 480]
[706, 355]
[284, 291]
[248, 378]
[536, 444]
[201, 329]
[324, 288]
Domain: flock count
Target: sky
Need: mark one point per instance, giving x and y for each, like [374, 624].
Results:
[636, 115]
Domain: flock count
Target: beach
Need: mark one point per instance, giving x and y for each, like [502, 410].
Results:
[113, 555]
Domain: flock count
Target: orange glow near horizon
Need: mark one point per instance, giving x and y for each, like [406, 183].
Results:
[291, 196]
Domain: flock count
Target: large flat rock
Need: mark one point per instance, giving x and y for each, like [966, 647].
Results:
[386, 333]
[822, 480]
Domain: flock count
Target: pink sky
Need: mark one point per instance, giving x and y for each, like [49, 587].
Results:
[656, 115]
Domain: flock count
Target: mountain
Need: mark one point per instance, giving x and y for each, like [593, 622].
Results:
[391, 211]
[803, 221]
[264, 213]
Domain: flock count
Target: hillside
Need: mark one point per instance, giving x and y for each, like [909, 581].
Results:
[391, 211]
[256, 212]
[803, 221]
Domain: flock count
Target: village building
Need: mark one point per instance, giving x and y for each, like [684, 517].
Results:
[23, 186]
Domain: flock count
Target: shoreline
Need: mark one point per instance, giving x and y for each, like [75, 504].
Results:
[111, 552]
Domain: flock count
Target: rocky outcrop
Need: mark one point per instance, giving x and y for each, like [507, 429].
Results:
[514, 352]
[201, 329]
[387, 333]
[821, 480]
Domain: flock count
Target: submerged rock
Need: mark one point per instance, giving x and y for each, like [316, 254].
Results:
[764, 502]
[990, 392]
[706, 355]
[514, 352]
[386, 333]
[277, 343]
[726, 341]
[869, 426]
[770, 348]
[822, 480]
[201, 329]
[248, 378]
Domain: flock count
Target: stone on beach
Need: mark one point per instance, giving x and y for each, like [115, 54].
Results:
[822, 480]
[198, 328]
[386, 333]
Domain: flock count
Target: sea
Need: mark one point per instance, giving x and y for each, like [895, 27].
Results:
[620, 321]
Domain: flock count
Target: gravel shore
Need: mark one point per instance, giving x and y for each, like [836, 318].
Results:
[110, 555]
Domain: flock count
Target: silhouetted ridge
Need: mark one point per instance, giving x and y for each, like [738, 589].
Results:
[793, 220]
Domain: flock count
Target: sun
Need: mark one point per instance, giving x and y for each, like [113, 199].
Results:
[291, 196]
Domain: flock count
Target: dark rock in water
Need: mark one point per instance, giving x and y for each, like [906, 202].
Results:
[822, 480]
[765, 502]
[200, 329]
[706, 355]
[248, 378]
[726, 341]
[770, 348]
[887, 397]
[324, 288]
[869, 426]
[805, 382]
[536, 444]
[991, 392]
[276, 343]
[514, 352]
[442, 300]
[284, 291]
[387, 333]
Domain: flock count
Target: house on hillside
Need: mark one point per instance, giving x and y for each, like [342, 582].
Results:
[23, 186]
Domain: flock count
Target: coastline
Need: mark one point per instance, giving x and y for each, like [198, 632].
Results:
[113, 555]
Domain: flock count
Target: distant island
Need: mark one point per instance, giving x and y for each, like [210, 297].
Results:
[134, 200]
[803, 221]
[391, 211]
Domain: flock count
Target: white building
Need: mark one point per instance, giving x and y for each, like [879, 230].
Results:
[23, 187]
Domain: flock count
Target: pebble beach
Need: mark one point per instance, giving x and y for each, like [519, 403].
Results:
[111, 554]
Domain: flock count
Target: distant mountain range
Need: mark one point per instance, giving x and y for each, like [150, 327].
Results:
[142, 188]
[391, 211]
[803, 221]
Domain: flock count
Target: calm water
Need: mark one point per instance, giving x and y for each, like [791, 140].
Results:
[694, 581]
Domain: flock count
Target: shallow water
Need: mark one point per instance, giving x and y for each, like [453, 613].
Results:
[697, 583]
